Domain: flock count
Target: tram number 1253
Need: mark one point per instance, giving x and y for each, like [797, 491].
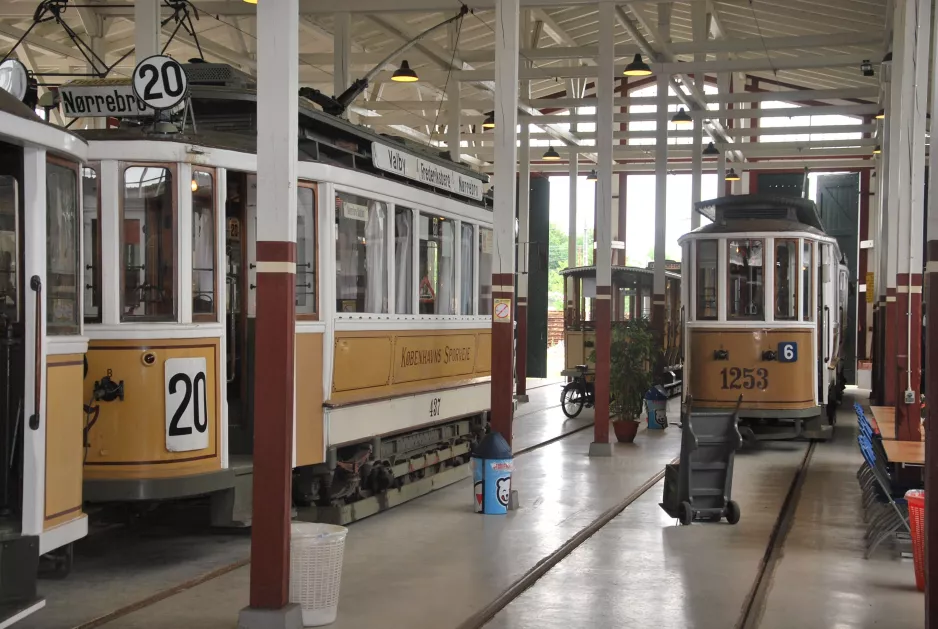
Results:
[746, 378]
[186, 397]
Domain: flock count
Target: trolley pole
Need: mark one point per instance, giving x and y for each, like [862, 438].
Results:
[277, 122]
[605, 88]
[507, 16]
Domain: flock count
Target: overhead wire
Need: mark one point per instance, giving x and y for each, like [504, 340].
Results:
[452, 60]
[762, 39]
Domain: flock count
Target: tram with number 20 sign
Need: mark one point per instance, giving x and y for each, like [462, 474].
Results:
[775, 337]
[393, 309]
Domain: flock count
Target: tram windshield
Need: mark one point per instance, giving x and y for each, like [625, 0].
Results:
[62, 226]
[786, 279]
[8, 248]
[148, 247]
[746, 299]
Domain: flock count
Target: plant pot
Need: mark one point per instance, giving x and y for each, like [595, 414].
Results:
[625, 430]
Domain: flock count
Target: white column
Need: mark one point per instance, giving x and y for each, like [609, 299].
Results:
[900, 143]
[524, 205]
[146, 29]
[661, 181]
[572, 227]
[342, 50]
[507, 22]
[454, 110]
[723, 88]
[698, 12]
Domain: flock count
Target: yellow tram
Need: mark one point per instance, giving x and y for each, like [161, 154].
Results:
[42, 350]
[393, 309]
[631, 299]
[776, 338]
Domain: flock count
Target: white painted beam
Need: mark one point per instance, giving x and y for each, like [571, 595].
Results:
[342, 46]
[146, 29]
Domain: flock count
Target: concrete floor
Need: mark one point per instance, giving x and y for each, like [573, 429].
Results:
[823, 578]
[644, 570]
[433, 562]
[121, 566]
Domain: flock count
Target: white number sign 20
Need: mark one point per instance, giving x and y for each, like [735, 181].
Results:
[186, 394]
[160, 82]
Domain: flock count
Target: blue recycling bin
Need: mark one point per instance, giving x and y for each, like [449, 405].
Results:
[656, 402]
[492, 466]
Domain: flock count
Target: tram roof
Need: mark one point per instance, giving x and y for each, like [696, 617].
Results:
[586, 271]
[761, 206]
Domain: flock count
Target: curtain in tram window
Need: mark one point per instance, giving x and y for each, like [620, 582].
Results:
[446, 298]
[376, 272]
[203, 254]
[404, 261]
[348, 260]
[466, 251]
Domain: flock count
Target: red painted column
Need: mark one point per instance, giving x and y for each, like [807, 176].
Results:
[273, 416]
[909, 314]
[931, 435]
[502, 356]
[890, 364]
[602, 303]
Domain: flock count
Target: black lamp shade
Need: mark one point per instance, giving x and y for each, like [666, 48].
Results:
[637, 67]
[404, 74]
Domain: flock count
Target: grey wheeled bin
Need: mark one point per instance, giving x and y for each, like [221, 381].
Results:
[701, 485]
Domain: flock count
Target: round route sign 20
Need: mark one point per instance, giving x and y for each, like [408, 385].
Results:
[160, 82]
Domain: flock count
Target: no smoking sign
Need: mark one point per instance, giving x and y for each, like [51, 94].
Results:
[503, 310]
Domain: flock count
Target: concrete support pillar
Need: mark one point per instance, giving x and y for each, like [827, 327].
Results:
[507, 22]
[146, 29]
[605, 90]
[863, 264]
[277, 120]
[661, 206]
[916, 22]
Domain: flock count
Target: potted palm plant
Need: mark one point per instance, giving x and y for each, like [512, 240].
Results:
[630, 375]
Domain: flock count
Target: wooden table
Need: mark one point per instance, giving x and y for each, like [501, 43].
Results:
[884, 421]
[911, 452]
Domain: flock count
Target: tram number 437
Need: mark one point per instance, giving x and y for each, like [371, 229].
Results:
[746, 378]
[186, 394]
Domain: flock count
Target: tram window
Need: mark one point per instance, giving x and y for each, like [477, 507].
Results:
[92, 245]
[203, 246]
[9, 255]
[361, 254]
[437, 265]
[707, 278]
[403, 260]
[62, 254]
[306, 252]
[467, 258]
[746, 300]
[786, 280]
[148, 251]
[485, 270]
[807, 274]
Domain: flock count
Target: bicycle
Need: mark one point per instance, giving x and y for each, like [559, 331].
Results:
[578, 393]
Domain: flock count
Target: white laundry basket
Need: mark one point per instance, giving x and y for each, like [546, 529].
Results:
[316, 552]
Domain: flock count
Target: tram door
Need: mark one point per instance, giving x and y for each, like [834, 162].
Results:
[824, 314]
[240, 424]
[11, 338]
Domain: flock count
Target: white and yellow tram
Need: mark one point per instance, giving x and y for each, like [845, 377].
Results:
[393, 305]
[765, 296]
[42, 351]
